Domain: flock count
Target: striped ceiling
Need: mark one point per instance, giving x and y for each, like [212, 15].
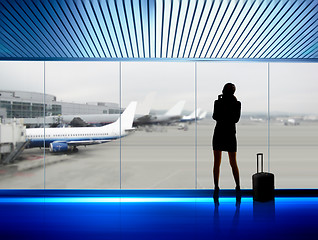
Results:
[159, 29]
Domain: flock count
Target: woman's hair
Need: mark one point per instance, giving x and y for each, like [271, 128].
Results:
[228, 89]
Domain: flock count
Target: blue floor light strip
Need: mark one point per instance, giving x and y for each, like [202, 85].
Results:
[279, 200]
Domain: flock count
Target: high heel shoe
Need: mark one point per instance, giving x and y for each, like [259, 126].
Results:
[238, 193]
[216, 192]
[216, 196]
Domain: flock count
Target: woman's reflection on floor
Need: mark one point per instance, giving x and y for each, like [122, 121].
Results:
[232, 228]
[228, 220]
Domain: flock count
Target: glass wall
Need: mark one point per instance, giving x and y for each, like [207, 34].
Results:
[294, 124]
[84, 90]
[160, 154]
[166, 148]
[250, 80]
[21, 101]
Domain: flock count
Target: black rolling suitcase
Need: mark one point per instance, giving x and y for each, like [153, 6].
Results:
[263, 183]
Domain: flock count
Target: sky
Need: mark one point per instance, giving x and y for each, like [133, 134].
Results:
[293, 86]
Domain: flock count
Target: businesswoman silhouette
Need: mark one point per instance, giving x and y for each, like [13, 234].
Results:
[227, 112]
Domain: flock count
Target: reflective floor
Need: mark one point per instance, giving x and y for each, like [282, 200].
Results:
[157, 218]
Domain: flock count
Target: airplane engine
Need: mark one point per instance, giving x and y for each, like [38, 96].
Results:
[59, 147]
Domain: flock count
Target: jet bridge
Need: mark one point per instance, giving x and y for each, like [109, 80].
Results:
[12, 141]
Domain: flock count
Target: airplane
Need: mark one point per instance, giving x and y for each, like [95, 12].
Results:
[203, 115]
[190, 118]
[256, 119]
[171, 116]
[65, 139]
[85, 120]
[291, 122]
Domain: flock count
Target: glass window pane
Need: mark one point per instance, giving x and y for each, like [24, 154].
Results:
[294, 124]
[160, 153]
[21, 108]
[82, 96]
[250, 80]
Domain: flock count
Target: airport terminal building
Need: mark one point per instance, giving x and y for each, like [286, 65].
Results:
[19, 104]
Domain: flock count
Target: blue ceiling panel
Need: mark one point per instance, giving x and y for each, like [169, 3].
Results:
[270, 30]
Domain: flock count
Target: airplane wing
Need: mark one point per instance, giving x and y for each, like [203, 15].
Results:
[83, 142]
[86, 142]
[129, 130]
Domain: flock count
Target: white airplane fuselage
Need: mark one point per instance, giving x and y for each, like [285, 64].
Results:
[63, 139]
[39, 136]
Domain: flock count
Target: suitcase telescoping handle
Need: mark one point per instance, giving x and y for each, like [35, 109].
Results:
[257, 160]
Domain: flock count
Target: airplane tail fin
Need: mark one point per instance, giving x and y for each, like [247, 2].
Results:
[145, 106]
[203, 115]
[126, 119]
[176, 109]
[198, 112]
[192, 115]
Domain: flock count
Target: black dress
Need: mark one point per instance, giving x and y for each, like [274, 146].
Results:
[227, 112]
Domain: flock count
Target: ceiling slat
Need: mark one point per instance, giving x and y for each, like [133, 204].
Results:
[159, 29]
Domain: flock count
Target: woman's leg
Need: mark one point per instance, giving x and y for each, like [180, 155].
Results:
[235, 170]
[216, 168]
